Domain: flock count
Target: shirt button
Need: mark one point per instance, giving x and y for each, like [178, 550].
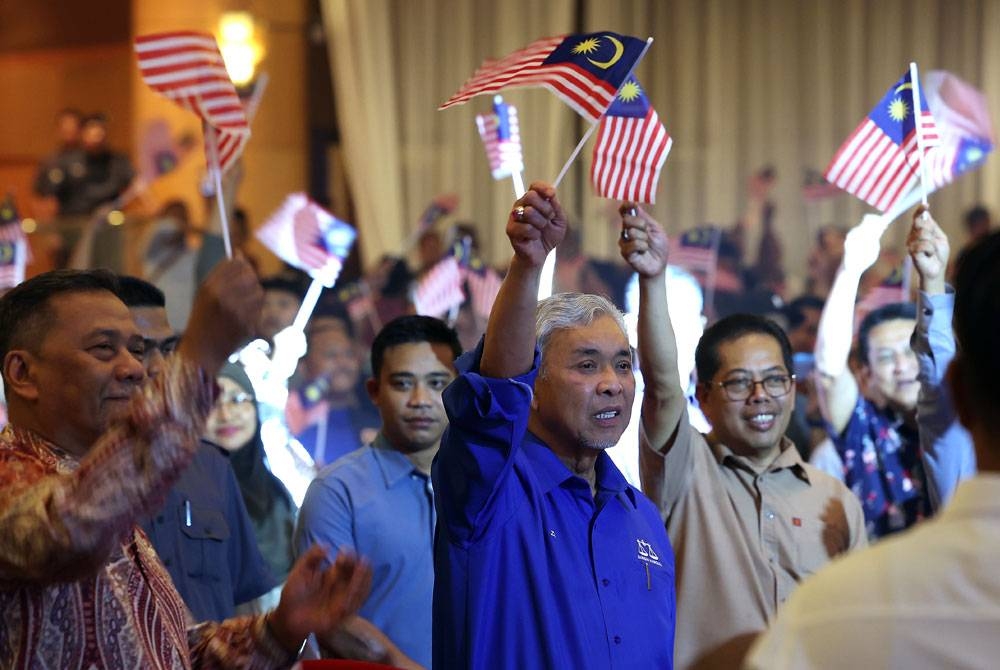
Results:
[159, 519]
[618, 639]
[605, 582]
[770, 515]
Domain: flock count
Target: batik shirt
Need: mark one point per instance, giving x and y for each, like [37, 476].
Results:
[882, 466]
[80, 585]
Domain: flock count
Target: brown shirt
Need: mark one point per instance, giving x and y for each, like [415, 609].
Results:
[742, 539]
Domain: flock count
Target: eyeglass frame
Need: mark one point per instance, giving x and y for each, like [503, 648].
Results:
[790, 382]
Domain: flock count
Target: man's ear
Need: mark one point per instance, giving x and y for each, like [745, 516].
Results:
[18, 374]
[371, 385]
[954, 378]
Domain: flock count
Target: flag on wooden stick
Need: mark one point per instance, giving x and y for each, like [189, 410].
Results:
[584, 70]
[305, 235]
[880, 161]
[631, 148]
[186, 67]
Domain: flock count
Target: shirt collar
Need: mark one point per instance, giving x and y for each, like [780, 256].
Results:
[788, 458]
[552, 472]
[36, 444]
[393, 465]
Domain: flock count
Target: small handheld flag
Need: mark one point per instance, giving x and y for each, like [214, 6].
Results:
[187, 67]
[879, 162]
[501, 139]
[307, 236]
[631, 148]
[584, 70]
[440, 289]
[963, 122]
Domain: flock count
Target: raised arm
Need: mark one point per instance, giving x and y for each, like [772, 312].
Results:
[643, 245]
[837, 389]
[945, 445]
[535, 226]
[63, 526]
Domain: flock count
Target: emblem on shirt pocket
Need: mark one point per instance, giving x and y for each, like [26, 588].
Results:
[647, 553]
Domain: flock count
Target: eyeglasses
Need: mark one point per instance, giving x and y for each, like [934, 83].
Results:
[239, 399]
[741, 389]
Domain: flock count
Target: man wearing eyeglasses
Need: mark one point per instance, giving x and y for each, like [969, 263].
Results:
[748, 519]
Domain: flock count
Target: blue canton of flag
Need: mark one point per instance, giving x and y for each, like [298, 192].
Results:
[605, 56]
[584, 70]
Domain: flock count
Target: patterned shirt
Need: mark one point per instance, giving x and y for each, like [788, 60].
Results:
[882, 467]
[80, 585]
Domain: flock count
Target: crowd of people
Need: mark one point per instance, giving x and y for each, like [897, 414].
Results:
[652, 468]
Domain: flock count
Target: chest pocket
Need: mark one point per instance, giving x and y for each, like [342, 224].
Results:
[206, 536]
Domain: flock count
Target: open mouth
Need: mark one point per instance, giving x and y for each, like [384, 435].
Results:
[762, 422]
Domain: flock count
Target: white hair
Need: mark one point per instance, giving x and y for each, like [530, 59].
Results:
[572, 310]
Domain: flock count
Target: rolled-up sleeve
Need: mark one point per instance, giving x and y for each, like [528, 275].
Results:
[488, 419]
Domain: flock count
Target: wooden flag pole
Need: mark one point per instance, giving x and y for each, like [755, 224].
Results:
[917, 122]
[549, 267]
[515, 176]
[220, 199]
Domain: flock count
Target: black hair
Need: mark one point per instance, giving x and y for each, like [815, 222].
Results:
[795, 311]
[976, 215]
[895, 310]
[280, 283]
[976, 320]
[331, 309]
[96, 117]
[412, 328]
[25, 314]
[733, 327]
[135, 292]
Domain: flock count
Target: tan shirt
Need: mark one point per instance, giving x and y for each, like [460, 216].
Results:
[743, 540]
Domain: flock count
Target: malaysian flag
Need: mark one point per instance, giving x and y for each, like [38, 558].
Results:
[187, 67]
[440, 289]
[584, 70]
[502, 139]
[697, 250]
[13, 246]
[879, 162]
[963, 121]
[631, 147]
[305, 235]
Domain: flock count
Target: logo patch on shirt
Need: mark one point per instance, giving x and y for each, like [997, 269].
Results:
[647, 553]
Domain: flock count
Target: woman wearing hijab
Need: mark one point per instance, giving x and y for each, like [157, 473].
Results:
[234, 425]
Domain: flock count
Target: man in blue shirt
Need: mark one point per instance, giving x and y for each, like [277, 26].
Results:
[945, 445]
[202, 532]
[378, 500]
[545, 556]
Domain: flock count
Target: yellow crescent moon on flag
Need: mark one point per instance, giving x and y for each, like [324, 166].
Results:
[619, 50]
[904, 87]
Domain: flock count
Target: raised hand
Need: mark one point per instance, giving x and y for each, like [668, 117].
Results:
[224, 314]
[536, 224]
[318, 600]
[929, 249]
[862, 246]
[643, 244]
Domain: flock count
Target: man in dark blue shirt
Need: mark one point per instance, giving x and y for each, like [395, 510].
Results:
[545, 556]
[202, 532]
